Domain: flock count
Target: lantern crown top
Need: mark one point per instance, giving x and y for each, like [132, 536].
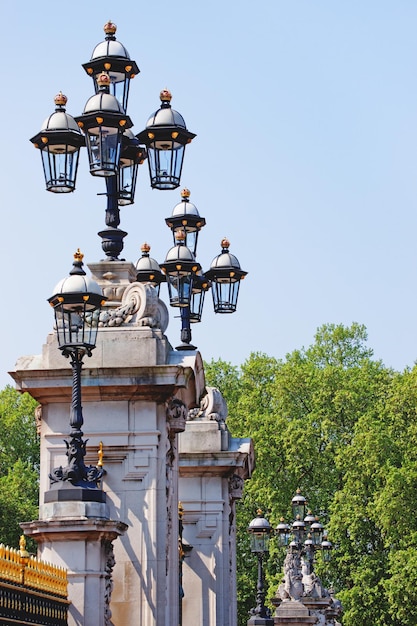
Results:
[167, 117]
[259, 524]
[180, 237]
[185, 207]
[225, 259]
[60, 120]
[77, 281]
[103, 102]
[165, 96]
[180, 252]
[110, 28]
[78, 256]
[60, 100]
[110, 47]
[103, 80]
[145, 262]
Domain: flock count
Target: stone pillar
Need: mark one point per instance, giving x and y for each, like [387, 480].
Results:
[213, 467]
[84, 547]
[135, 392]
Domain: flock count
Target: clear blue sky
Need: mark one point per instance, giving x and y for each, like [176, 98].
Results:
[305, 157]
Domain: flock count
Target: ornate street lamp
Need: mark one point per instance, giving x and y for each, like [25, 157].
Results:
[306, 531]
[225, 275]
[260, 531]
[77, 301]
[59, 141]
[165, 137]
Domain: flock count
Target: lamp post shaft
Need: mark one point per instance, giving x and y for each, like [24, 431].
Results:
[112, 210]
[76, 414]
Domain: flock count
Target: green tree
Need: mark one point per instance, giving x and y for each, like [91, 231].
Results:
[19, 463]
[337, 423]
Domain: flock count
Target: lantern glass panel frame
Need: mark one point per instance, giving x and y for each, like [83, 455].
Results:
[60, 168]
[165, 159]
[103, 146]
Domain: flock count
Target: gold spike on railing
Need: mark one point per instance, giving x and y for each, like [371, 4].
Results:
[18, 567]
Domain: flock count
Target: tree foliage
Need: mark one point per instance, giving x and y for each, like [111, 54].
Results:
[19, 464]
[338, 424]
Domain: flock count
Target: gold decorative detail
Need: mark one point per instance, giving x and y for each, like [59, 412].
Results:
[165, 95]
[60, 99]
[78, 256]
[109, 28]
[100, 455]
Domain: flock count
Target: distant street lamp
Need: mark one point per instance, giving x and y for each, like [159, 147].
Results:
[305, 535]
[260, 531]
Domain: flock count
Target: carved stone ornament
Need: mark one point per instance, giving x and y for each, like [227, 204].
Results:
[140, 306]
[176, 415]
[236, 484]
[108, 589]
[212, 407]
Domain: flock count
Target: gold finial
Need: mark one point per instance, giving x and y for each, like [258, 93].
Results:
[185, 193]
[165, 95]
[60, 99]
[103, 80]
[109, 28]
[180, 236]
[225, 243]
[22, 545]
[180, 510]
[259, 512]
[100, 454]
[78, 256]
[145, 247]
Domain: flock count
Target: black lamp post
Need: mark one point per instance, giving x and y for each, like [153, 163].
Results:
[77, 301]
[260, 531]
[114, 154]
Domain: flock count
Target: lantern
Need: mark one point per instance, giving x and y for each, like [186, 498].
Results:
[77, 301]
[148, 270]
[225, 275]
[111, 56]
[186, 217]
[180, 268]
[59, 141]
[165, 137]
[103, 123]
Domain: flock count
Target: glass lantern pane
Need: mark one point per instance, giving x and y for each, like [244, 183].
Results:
[127, 184]
[179, 287]
[76, 328]
[103, 146]
[225, 296]
[60, 169]
[165, 164]
[259, 542]
[196, 305]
